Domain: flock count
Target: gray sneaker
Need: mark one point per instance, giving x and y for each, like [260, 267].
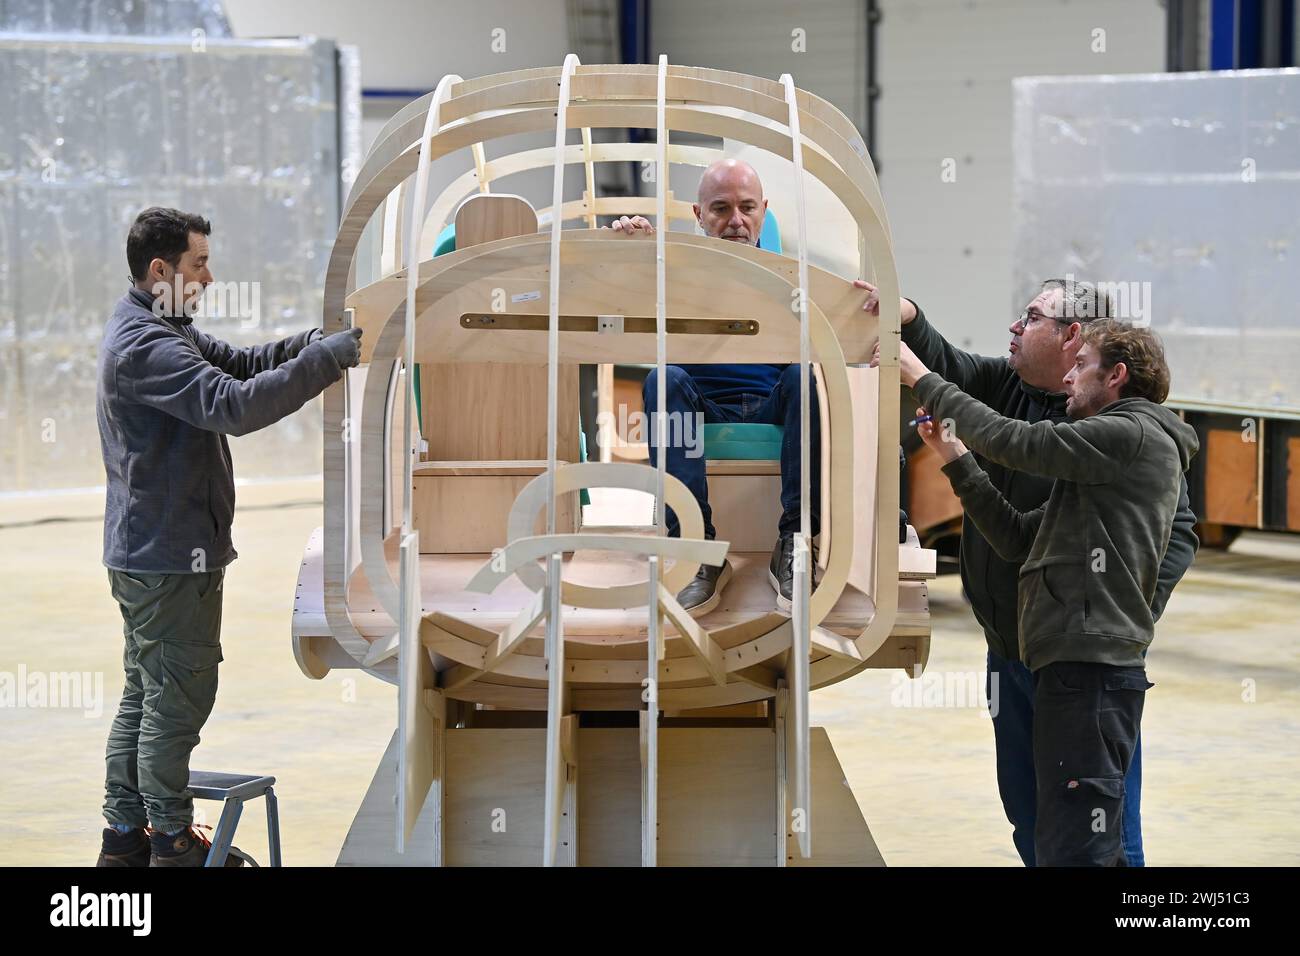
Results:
[705, 591]
[780, 571]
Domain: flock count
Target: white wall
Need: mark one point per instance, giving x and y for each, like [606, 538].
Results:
[412, 44]
[758, 37]
[945, 70]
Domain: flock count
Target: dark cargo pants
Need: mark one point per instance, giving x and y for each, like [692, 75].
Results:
[1086, 722]
[172, 631]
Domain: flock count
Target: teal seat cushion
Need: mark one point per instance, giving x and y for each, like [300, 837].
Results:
[769, 236]
[743, 442]
[446, 240]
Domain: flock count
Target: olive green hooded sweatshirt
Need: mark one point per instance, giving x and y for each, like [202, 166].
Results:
[1092, 553]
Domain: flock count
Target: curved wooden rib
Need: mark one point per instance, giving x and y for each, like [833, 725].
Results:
[824, 125]
[596, 474]
[440, 212]
[525, 550]
[431, 126]
[660, 423]
[465, 277]
[555, 695]
[797, 671]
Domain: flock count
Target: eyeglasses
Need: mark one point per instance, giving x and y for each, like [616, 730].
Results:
[1027, 318]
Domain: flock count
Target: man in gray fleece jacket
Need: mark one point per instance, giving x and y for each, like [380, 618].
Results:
[168, 395]
[1091, 558]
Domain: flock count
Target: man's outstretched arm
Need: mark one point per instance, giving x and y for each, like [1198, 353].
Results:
[167, 372]
[1091, 451]
[244, 363]
[1010, 531]
[976, 375]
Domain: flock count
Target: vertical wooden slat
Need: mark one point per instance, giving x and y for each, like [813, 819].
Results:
[803, 541]
[649, 725]
[556, 776]
[798, 676]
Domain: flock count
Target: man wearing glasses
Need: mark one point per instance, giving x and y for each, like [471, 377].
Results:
[1026, 385]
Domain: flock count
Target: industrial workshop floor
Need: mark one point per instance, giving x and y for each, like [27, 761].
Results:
[1221, 730]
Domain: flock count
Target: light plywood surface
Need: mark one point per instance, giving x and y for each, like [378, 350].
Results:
[487, 217]
[458, 514]
[717, 803]
[749, 596]
[493, 411]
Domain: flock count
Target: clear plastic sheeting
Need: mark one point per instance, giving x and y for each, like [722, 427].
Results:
[1184, 191]
[115, 17]
[245, 133]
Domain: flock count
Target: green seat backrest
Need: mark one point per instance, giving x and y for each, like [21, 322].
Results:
[744, 442]
[446, 241]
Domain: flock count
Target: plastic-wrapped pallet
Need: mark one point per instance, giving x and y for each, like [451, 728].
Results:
[115, 17]
[92, 130]
[1183, 190]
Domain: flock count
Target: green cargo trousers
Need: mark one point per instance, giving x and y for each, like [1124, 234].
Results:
[172, 627]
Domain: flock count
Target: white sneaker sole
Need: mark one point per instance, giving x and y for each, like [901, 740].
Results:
[781, 603]
[711, 604]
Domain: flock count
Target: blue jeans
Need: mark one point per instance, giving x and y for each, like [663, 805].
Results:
[780, 407]
[1012, 710]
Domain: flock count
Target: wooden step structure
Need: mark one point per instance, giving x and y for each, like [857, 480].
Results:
[545, 669]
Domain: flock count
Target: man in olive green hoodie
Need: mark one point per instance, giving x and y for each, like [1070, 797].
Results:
[1091, 558]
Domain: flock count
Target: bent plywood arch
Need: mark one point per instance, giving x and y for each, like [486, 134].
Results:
[459, 280]
[717, 258]
[389, 166]
[607, 475]
[724, 88]
[505, 166]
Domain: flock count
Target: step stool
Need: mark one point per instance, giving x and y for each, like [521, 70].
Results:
[234, 789]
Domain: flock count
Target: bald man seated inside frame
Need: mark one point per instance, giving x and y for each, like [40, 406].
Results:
[731, 206]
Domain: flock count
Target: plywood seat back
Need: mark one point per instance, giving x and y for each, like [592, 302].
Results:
[486, 412]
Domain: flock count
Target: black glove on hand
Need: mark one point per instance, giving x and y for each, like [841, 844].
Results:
[346, 346]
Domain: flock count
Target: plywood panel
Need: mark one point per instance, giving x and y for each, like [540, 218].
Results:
[840, 836]
[494, 797]
[370, 839]
[465, 514]
[866, 494]
[488, 411]
[930, 498]
[498, 216]
[422, 709]
[746, 510]
[717, 796]
[609, 793]
[1231, 478]
[715, 784]
[626, 400]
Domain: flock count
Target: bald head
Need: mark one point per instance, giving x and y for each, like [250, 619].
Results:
[731, 204]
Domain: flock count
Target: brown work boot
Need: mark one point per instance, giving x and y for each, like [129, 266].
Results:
[124, 849]
[188, 848]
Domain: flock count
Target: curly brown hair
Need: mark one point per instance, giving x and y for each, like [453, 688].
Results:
[1139, 349]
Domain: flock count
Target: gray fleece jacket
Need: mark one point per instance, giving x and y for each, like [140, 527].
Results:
[168, 396]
